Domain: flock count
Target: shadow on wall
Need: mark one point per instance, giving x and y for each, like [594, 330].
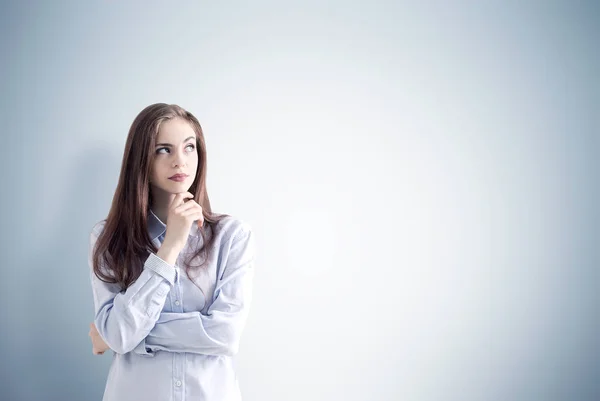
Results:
[59, 362]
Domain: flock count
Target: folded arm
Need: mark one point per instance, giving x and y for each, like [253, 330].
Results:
[124, 319]
[217, 332]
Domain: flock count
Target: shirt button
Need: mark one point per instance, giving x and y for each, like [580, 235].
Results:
[178, 383]
[177, 303]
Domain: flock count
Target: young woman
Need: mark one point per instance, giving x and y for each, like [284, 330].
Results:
[172, 281]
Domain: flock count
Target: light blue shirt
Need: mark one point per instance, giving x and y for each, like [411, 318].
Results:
[173, 339]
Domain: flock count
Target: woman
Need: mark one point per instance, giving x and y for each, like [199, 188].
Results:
[172, 281]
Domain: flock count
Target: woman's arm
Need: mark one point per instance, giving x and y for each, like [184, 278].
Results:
[219, 331]
[123, 319]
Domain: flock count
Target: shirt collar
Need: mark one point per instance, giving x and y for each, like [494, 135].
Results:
[156, 227]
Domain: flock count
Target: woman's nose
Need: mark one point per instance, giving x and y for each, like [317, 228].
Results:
[179, 160]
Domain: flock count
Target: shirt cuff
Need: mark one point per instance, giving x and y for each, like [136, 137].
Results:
[141, 350]
[161, 267]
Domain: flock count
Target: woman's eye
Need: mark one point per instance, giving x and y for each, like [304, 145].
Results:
[167, 150]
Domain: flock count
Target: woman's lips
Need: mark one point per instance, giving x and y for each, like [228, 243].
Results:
[178, 177]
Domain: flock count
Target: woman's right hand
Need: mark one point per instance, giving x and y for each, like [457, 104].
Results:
[180, 217]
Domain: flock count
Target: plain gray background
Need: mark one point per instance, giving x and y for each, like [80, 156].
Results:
[422, 179]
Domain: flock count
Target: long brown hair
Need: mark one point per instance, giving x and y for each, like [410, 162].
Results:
[124, 243]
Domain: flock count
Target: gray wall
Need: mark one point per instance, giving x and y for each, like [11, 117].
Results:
[422, 180]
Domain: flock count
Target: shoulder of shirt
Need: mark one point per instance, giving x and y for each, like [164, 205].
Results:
[231, 227]
[98, 227]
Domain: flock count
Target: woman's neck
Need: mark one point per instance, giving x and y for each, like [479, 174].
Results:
[160, 204]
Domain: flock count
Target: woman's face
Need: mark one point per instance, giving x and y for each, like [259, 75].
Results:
[175, 154]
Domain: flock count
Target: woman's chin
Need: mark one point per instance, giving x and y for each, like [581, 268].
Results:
[178, 187]
[172, 188]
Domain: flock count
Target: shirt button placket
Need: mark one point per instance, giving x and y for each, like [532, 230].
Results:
[178, 358]
[178, 393]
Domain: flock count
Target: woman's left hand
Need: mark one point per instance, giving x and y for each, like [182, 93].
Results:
[98, 344]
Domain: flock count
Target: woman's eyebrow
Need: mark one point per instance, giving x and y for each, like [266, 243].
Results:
[169, 145]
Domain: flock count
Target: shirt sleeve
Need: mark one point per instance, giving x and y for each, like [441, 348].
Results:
[219, 331]
[124, 318]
